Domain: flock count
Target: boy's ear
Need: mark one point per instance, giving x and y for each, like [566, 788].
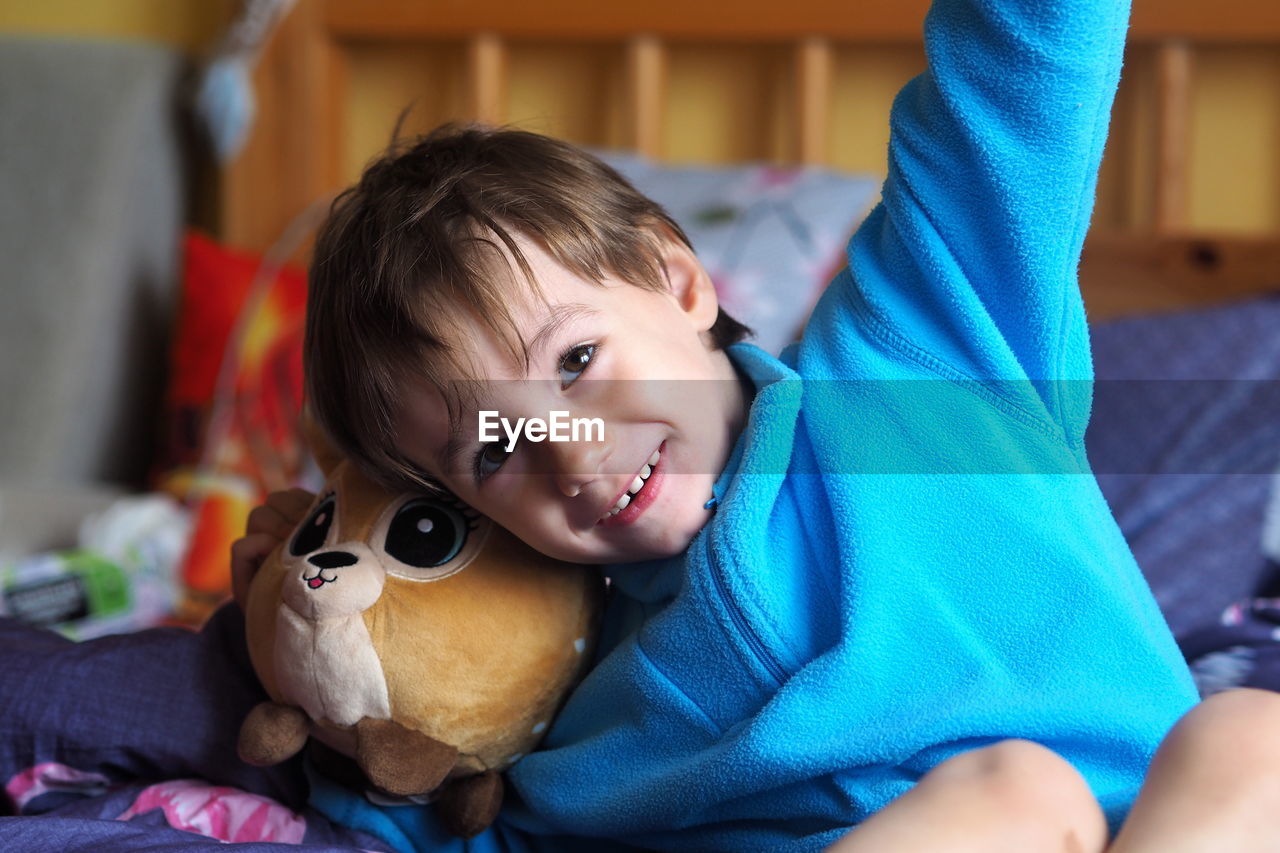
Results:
[689, 281]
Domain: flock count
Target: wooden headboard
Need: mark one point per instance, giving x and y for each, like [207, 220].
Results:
[1152, 260]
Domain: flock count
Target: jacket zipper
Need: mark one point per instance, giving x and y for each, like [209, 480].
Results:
[757, 646]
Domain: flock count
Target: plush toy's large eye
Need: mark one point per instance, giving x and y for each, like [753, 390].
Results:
[426, 533]
[311, 535]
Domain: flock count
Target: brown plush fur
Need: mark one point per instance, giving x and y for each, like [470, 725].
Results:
[476, 661]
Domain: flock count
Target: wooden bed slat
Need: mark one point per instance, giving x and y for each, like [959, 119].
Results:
[815, 64]
[1173, 135]
[646, 93]
[487, 78]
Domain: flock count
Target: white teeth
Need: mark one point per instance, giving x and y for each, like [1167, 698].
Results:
[636, 485]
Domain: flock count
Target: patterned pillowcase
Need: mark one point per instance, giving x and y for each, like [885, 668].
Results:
[771, 237]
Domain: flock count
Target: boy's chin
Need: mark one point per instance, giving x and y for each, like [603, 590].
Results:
[669, 545]
[659, 552]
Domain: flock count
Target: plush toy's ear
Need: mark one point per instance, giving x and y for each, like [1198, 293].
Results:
[326, 455]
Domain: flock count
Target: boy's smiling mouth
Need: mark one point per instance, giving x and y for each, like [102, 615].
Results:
[637, 495]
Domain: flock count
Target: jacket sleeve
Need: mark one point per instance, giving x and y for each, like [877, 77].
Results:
[968, 266]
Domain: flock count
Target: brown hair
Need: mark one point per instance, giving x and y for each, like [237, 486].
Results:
[415, 241]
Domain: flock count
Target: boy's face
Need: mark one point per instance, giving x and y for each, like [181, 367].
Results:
[636, 359]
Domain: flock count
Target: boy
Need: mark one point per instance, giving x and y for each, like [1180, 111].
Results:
[873, 562]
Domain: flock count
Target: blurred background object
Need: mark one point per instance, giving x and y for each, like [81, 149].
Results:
[103, 171]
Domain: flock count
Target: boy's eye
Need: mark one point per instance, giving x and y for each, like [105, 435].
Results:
[490, 458]
[574, 363]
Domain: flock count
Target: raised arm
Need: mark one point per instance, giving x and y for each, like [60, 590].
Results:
[970, 261]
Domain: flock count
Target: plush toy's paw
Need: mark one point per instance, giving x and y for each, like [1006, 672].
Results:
[271, 733]
[401, 761]
[468, 806]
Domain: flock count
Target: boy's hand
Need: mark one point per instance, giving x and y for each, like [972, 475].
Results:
[269, 525]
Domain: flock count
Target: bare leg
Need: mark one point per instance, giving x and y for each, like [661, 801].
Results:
[1215, 781]
[1013, 796]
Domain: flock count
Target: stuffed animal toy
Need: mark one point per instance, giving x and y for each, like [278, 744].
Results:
[411, 634]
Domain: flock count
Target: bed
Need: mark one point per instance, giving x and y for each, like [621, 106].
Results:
[1182, 296]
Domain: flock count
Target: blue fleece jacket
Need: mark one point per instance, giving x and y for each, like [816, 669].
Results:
[909, 557]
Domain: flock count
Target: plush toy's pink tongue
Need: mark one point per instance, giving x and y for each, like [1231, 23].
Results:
[315, 583]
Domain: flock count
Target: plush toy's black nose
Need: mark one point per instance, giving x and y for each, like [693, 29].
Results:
[332, 559]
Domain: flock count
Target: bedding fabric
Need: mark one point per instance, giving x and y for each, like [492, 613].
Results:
[1185, 440]
[108, 770]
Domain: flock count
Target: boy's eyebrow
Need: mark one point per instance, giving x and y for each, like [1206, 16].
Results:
[558, 316]
[453, 446]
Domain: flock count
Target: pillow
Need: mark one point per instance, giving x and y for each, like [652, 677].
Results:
[235, 391]
[771, 237]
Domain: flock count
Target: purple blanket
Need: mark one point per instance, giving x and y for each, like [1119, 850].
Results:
[1185, 435]
[128, 743]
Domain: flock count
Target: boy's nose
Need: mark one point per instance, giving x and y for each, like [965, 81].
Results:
[576, 463]
[570, 487]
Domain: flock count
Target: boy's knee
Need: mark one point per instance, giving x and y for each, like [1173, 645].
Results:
[1215, 775]
[1238, 727]
[1033, 788]
[1011, 767]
